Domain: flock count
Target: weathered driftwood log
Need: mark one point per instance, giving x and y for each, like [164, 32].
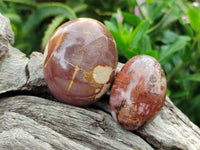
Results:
[30, 118]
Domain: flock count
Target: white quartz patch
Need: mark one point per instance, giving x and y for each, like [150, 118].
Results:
[101, 74]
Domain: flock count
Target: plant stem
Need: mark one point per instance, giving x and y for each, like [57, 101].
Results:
[195, 40]
[191, 91]
[120, 27]
[141, 12]
[175, 73]
[148, 10]
[155, 27]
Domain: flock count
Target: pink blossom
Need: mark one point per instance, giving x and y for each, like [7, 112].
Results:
[119, 17]
[185, 18]
[137, 11]
[195, 4]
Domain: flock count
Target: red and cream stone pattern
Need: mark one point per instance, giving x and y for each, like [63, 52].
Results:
[80, 61]
[138, 92]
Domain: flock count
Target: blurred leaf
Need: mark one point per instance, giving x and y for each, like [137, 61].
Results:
[14, 18]
[195, 105]
[168, 92]
[80, 8]
[189, 30]
[193, 110]
[145, 43]
[102, 13]
[110, 25]
[24, 47]
[194, 20]
[172, 69]
[127, 39]
[51, 28]
[3, 8]
[193, 77]
[151, 53]
[182, 5]
[149, 1]
[168, 19]
[121, 45]
[176, 10]
[125, 34]
[180, 94]
[170, 2]
[24, 2]
[168, 36]
[15, 29]
[131, 19]
[139, 32]
[178, 44]
[158, 8]
[123, 37]
[16, 22]
[44, 11]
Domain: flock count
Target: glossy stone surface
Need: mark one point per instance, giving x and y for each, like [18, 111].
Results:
[80, 61]
[138, 92]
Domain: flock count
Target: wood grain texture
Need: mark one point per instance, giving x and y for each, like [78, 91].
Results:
[33, 122]
[94, 129]
[3, 46]
[171, 129]
[21, 132]
[6, 30]
[12, 68]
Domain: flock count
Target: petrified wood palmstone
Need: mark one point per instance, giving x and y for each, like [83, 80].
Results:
[80, 61]
[138, 92]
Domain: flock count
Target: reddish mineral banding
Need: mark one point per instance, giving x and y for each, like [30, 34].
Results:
[138, 93]
[80, 61]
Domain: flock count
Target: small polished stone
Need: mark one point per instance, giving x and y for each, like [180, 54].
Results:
[138, 92]
[80, 61]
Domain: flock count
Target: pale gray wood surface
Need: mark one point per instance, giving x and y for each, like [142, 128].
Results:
[6, 30]
[28, 121]
[48, 120]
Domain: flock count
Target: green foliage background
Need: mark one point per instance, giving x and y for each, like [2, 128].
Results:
[162, 31]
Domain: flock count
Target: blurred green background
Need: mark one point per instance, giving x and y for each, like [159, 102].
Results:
[167, 30]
